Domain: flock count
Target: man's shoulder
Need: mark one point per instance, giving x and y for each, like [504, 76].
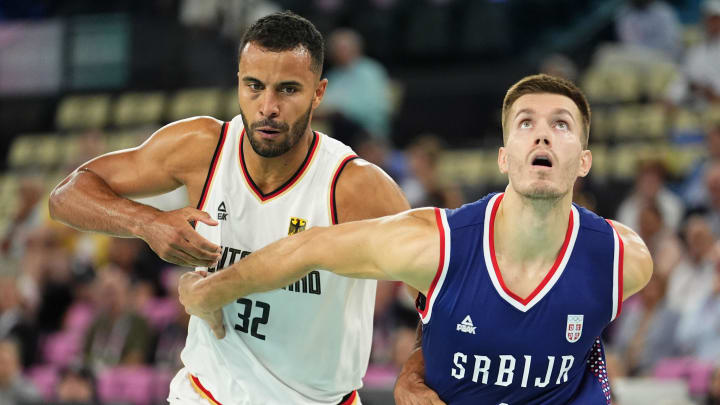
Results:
[363, 190]
[201, 129]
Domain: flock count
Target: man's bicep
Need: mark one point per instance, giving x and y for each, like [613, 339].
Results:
[409, 250]
[163, 162]
[402, 247]
[132, 172]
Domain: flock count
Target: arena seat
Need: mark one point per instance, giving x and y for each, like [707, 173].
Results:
[193, 102]
[83, 112]
[44, 377]
[127, 384]
[139, 109]
[649, 391]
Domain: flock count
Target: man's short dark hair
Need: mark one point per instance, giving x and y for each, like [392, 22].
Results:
[285, 31]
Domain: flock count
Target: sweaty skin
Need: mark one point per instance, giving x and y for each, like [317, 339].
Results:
[275, 90]
[405, 246]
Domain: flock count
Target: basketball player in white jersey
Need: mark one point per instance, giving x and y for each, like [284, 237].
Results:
[254, 180]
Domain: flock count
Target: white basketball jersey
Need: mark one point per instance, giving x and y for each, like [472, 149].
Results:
[307, 343]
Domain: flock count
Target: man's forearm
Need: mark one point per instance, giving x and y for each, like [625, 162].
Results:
[269, 268]
[86, 202]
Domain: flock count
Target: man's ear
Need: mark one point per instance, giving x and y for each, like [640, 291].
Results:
[319, 93]
[585, 163]
[502, 160]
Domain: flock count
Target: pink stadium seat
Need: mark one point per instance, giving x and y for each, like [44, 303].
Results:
[62, 348]
[45, 378]
[695, 372]
[160, 312]
[79, 317]
[380, 376]
[127, 384]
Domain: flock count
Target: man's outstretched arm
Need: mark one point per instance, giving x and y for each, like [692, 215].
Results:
[403, 247]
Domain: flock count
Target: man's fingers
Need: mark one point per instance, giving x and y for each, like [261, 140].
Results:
[217, 325]
[202, 216]
[183, 259]
[191, 248]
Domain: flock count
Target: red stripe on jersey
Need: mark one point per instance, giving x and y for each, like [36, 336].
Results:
[350, 400]
[213, 166]
[621, 258]
[289, 183]
[547, 277]
[441, 264]
[204, 390]
[333, 207]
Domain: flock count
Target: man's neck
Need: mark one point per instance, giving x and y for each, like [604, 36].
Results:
[528, 231]
[270, 173]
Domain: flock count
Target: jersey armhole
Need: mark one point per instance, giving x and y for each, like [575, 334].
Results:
[618, 258]
[425, 310]
[213, 166]
[333, 186]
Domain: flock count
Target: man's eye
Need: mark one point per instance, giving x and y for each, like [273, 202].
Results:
[288, 90]
[255, 86]
[525, 124]
[562, 125]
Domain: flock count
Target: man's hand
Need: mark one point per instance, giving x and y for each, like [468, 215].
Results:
[410, 388]
[171, 236]
[188, 299]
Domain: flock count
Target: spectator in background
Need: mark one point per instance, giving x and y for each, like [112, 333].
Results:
[358, 87]
[650, 24]
[663, 244]
[650, 187]
[694, 190]
[27, 216]
[559, 65]
[77, 387]
[14, 388]
[14, 322]
[118, 335]
[645, 327]
[692, 278]
[423, 187]
[712, 182]
[701, 67]
[698, 333]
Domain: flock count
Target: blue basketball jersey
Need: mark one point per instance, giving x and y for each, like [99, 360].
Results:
[483, 344]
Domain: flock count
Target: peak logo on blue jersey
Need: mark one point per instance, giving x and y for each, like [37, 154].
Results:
[573, 331]
[466, 326]
[222, 212]
[296, 225]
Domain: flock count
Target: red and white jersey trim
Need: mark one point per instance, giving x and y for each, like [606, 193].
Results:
[524, 304]
[439, 280]
[617, 274]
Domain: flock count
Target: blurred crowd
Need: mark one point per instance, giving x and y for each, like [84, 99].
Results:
[84, 316]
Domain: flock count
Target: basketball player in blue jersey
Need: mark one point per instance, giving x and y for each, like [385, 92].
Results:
[519, 285]
[255, 179]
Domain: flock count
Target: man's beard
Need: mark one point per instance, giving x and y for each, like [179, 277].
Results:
[274, 148]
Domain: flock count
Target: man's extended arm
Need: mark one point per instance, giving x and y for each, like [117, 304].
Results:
[92, 198]
[404, 247]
